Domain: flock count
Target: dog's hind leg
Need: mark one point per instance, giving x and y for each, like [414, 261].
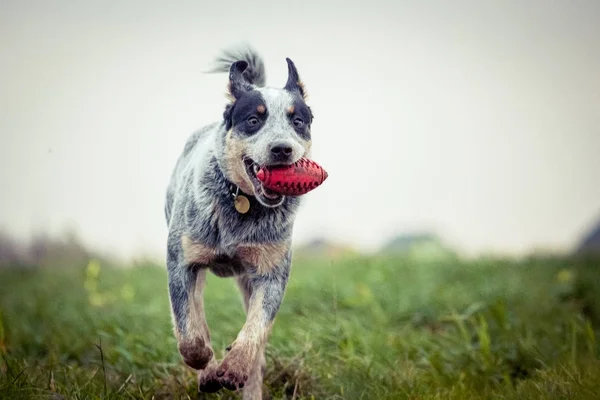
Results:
[244, 358]
[186, 284]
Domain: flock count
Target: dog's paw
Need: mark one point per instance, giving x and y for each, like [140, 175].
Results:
[195, 353]
[236, 367]
[208, 382]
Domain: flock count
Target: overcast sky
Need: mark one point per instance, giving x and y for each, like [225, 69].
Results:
[477, 120]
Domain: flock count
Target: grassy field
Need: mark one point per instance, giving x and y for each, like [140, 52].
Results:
[359, 328]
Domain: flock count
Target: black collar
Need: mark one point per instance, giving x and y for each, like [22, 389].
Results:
[235, 190]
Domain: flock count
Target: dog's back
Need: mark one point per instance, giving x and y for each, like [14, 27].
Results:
[183, 167]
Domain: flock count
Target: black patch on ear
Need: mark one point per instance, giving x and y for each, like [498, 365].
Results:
[301, 112]
[238, 114]
[238, 84]
[293, 82]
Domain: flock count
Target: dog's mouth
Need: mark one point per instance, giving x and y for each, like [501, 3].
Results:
[264, 195]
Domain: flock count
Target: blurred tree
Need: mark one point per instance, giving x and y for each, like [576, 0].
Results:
[591, 241]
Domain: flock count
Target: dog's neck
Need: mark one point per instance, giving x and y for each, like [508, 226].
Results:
[224, 190]
[213, 204]
[222, 183]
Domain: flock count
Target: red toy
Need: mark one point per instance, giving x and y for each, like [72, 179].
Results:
[293, 180]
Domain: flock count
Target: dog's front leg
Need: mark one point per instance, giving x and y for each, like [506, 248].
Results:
[253, 387]
[266, 294]
[186, 284]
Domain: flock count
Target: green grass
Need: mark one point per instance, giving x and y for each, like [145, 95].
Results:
[359, 328]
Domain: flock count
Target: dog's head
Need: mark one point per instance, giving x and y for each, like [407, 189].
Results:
[264, 126]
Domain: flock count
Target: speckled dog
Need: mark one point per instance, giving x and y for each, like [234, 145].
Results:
[212, 228]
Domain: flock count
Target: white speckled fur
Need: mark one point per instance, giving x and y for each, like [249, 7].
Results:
[207, 233]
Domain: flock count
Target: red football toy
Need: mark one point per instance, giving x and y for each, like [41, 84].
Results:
[293, 180]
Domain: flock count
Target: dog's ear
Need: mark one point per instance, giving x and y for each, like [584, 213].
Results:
[227, 116]
[294, 84]
[237, 82]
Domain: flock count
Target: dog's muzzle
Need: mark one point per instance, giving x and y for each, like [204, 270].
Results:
[265, 196]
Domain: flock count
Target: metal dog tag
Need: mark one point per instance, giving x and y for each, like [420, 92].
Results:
[242, 204]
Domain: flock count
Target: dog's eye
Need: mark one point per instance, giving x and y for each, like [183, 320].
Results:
[252, 121]
[298, 122]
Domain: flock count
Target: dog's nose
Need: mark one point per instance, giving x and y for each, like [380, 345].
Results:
[281, 150]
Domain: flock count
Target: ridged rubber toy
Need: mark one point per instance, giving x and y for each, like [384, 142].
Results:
[293, 180]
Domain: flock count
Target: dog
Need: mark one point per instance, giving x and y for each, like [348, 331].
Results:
[221, 219]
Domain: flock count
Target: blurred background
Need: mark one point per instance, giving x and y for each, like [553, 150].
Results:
[453, 252]
[470, 124]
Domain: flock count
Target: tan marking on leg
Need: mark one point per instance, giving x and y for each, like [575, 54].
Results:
[264, 256]
[194, 345]
[253, 388]
[238, 365]
[234, 151]
[254, 330]
[197, 315]
[254, 385]
[194, 252]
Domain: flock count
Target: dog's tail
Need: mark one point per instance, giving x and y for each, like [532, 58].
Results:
[254, 74]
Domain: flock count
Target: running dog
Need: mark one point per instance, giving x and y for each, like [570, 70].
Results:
[221, 219]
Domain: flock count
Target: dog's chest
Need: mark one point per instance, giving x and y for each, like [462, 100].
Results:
[235, 260]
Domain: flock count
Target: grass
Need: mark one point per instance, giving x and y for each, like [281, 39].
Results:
[357, 328]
